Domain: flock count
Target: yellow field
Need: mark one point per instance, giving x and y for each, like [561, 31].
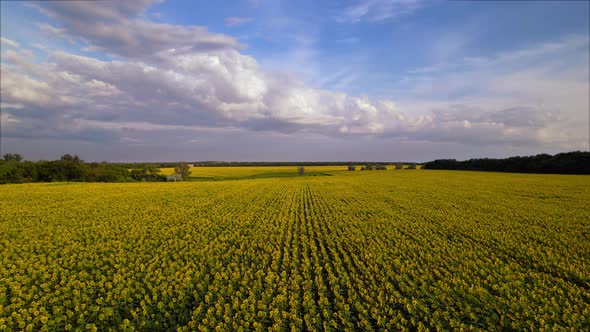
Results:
[374, 250]
[248, 171]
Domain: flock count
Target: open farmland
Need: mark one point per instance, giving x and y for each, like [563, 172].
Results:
[255, 172]
[374, 250]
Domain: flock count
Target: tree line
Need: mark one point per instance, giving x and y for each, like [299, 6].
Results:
[577, 162]
[71, 168]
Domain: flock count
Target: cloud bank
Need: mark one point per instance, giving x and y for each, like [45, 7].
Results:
[176, 82]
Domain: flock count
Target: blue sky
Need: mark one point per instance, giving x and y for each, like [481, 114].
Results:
[294, 80]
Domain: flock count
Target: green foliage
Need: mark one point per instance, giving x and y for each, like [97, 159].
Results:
[371, 167]
[577, 162]
[13, 157]
[438, 250]
[71, 159]
[67, 168]
[182, 169]
[147, 172]
[104, 172]
[13, 171]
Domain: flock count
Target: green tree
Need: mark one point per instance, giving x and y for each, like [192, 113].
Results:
[182, 169]
[68, 157]
[72, 168]
[10, 172]
[147, 172]
[153, 172]
[13, 156]
[138, 174]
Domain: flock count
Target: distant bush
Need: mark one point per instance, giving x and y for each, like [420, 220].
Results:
[351, 167]
[371, 167]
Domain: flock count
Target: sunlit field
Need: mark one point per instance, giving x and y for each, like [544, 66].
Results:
[373, 250]
[244, 172]
[222, 172]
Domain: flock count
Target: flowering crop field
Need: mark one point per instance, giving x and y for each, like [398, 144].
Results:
[375, 250]
[243, 172]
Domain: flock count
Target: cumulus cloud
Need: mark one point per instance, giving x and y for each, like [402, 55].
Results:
[210, 85]
[230, 90]
[115, 27]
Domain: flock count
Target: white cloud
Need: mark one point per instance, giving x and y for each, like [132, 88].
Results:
[228, 90]
[18, 88]
[9, 43]
[155, 88]
[114, 27]
[378, 10]
[236, 21]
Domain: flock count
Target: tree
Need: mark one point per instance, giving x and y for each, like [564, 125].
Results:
[68, 157]
[138, 174]
[182, 169]
[351, 167]
[152, 173]
[29, 171]
[147, 172]
[104, 172]
[412, 166]
[10, 172]
[399, 166]
[72, 168]
[13, 157]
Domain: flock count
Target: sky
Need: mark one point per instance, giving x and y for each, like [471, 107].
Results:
[262, 80]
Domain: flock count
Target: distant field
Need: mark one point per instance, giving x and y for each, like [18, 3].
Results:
[245, 172]
[375, 250]
[241, 172]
